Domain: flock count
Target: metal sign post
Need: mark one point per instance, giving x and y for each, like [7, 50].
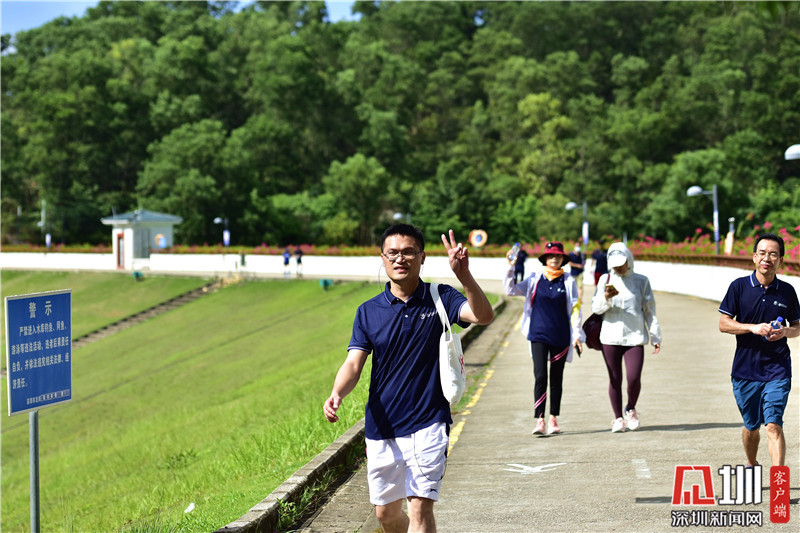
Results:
[33, 423]
[39, 364]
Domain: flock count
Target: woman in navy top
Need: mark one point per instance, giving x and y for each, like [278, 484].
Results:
[551, 322]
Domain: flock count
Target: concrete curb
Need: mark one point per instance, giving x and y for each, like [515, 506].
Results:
[471, 333]
[263, 517]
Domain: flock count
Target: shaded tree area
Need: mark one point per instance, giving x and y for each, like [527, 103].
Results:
[461, 115]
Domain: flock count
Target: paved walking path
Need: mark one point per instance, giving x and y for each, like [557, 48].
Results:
[501, 478]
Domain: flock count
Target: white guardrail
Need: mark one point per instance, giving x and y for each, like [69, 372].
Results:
[701, 281]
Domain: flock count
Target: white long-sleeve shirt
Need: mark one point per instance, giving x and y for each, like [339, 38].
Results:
[629, 318]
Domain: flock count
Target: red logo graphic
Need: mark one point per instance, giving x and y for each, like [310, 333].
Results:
[692, 497]
[779, 494]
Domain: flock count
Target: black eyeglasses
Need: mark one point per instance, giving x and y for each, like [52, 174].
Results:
[408, 255]
[772, 255]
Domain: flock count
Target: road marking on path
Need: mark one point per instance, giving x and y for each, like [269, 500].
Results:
[523, 469]
[456, 431]
[642, 470]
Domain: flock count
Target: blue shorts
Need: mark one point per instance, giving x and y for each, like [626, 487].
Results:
[761, 402]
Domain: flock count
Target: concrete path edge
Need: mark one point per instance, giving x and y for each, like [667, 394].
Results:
[263, 517]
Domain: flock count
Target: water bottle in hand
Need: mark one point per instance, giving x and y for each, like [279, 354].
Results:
[512, 255]
[777, 323]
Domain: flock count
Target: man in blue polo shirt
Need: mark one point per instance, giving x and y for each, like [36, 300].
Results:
[407, 416]
[762, 369]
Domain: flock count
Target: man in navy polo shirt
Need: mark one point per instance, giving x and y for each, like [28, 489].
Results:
[762, 368]
[407, 416]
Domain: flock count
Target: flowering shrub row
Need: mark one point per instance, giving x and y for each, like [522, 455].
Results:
[697, 249]
[58, 248]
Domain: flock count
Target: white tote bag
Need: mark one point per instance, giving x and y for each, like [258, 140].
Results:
[452, 372]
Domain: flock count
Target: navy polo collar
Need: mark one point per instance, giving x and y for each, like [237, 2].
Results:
[420, 292]
[754, 281]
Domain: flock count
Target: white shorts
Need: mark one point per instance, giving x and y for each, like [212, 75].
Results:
[407, 466]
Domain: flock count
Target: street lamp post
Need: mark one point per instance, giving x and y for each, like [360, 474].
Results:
[696, 190]
[43, 224]
[793, 152]
[585, 230]
[226, 234]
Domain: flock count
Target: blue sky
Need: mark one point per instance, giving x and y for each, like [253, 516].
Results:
[17, 15]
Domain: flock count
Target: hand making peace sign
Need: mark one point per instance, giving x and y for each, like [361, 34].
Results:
[457, 254]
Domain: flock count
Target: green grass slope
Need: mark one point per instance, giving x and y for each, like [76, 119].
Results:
[98, 299]
[215, 403]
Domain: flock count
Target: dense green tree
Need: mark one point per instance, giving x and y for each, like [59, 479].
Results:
[516, 219]
[184, 177]
[359, 190]
[463, 115]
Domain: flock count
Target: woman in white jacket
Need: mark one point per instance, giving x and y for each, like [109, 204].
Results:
[626, 302]
[551, 322]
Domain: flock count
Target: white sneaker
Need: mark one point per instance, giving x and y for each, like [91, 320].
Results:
[632, 419]
[618, 425]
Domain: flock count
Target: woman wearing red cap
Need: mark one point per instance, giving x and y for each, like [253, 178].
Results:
[551, 322]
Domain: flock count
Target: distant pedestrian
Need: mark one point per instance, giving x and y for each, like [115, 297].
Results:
[287, 256]
[407, 417]
[600, 258]
[298, 257]
[762, 367]
[626, 302]
[519, 265]
[577, 263]
[551, 321]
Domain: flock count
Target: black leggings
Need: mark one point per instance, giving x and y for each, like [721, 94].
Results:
[558, 354]
[634, 361]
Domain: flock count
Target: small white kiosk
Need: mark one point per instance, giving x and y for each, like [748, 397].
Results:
[135, 233]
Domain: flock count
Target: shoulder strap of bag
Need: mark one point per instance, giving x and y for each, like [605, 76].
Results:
[440, 307]
[537, 277]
